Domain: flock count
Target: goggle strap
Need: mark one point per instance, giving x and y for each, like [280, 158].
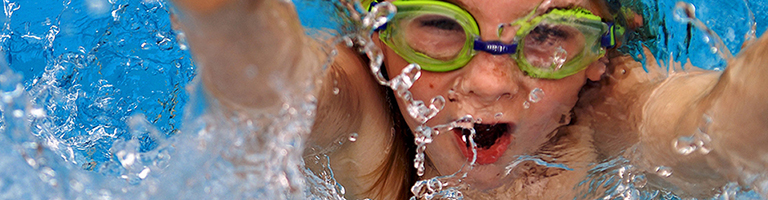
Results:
[495, 47]
[373, 3]
[383, 26]
[608, 40]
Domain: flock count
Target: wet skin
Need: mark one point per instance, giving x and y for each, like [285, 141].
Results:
[632, 109]
[488, 85]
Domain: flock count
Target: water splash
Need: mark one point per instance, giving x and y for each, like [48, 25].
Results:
[536, 160]
[617, 178]
[686, 13]
[443, 187]
[449, 186]
[750, 35]
[698, 141]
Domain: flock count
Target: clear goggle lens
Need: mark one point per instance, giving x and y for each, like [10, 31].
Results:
[442, 38]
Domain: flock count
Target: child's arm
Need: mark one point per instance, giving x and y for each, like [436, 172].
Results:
[706, 128]
[243, 47]
[248, 52]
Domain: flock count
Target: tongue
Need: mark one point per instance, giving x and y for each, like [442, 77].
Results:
[485, 156]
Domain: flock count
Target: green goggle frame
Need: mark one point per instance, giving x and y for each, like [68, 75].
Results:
[597, 36]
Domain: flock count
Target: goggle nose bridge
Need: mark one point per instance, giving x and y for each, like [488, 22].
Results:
[494, 47]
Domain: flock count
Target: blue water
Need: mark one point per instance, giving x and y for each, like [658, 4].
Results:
[668, 39]
[95, 68]
[99, 76]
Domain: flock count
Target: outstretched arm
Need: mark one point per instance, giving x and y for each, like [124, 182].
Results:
[248, 51]
[244, 47]
[697, 130]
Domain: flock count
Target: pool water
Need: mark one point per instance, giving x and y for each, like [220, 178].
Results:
[99, 101]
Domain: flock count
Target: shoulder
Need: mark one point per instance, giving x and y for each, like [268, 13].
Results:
[351, 102]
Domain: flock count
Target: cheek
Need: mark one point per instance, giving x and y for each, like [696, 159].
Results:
[559, 98]
[393, 63]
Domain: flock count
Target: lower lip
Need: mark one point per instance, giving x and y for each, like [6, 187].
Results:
[484, 156]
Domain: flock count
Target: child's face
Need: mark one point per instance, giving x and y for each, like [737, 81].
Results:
[494, 89]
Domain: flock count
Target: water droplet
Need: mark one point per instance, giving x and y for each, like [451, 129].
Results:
[498, 115]
[143, 174]
[353, 137]
[336, 91]
[699, 140]
[379, 15]
[639, 181]
[37, 112]
[526, 104]
[417, 111]
[145, 46]
[558, 58]
[663, 171]
[434, 185]
[685, 145]
[686, 13]
[18, 113]
[410, 74]
[438, 103]
[535, 95]
[348, 41]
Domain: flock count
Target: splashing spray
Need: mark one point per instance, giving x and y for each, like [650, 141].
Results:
[686, 13]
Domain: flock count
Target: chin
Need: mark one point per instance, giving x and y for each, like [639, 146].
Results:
[487, 177]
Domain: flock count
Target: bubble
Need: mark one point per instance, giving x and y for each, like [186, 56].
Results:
[526, 105]
[498, 115]
[353, 137]
[336, 91]
[663, 171]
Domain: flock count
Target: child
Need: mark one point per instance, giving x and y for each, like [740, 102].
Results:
[522, 85]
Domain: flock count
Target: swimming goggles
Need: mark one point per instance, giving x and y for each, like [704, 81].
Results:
[441, 37]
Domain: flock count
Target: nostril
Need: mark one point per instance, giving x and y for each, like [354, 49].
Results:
[506, 96]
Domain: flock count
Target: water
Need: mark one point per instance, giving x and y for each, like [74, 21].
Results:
[98, 101]
[732, 20]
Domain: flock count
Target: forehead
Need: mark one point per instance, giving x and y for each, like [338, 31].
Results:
[520, 8]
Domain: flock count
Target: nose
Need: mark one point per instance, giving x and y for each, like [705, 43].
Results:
[490, 78]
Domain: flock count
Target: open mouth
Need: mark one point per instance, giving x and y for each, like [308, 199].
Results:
[492, 141]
